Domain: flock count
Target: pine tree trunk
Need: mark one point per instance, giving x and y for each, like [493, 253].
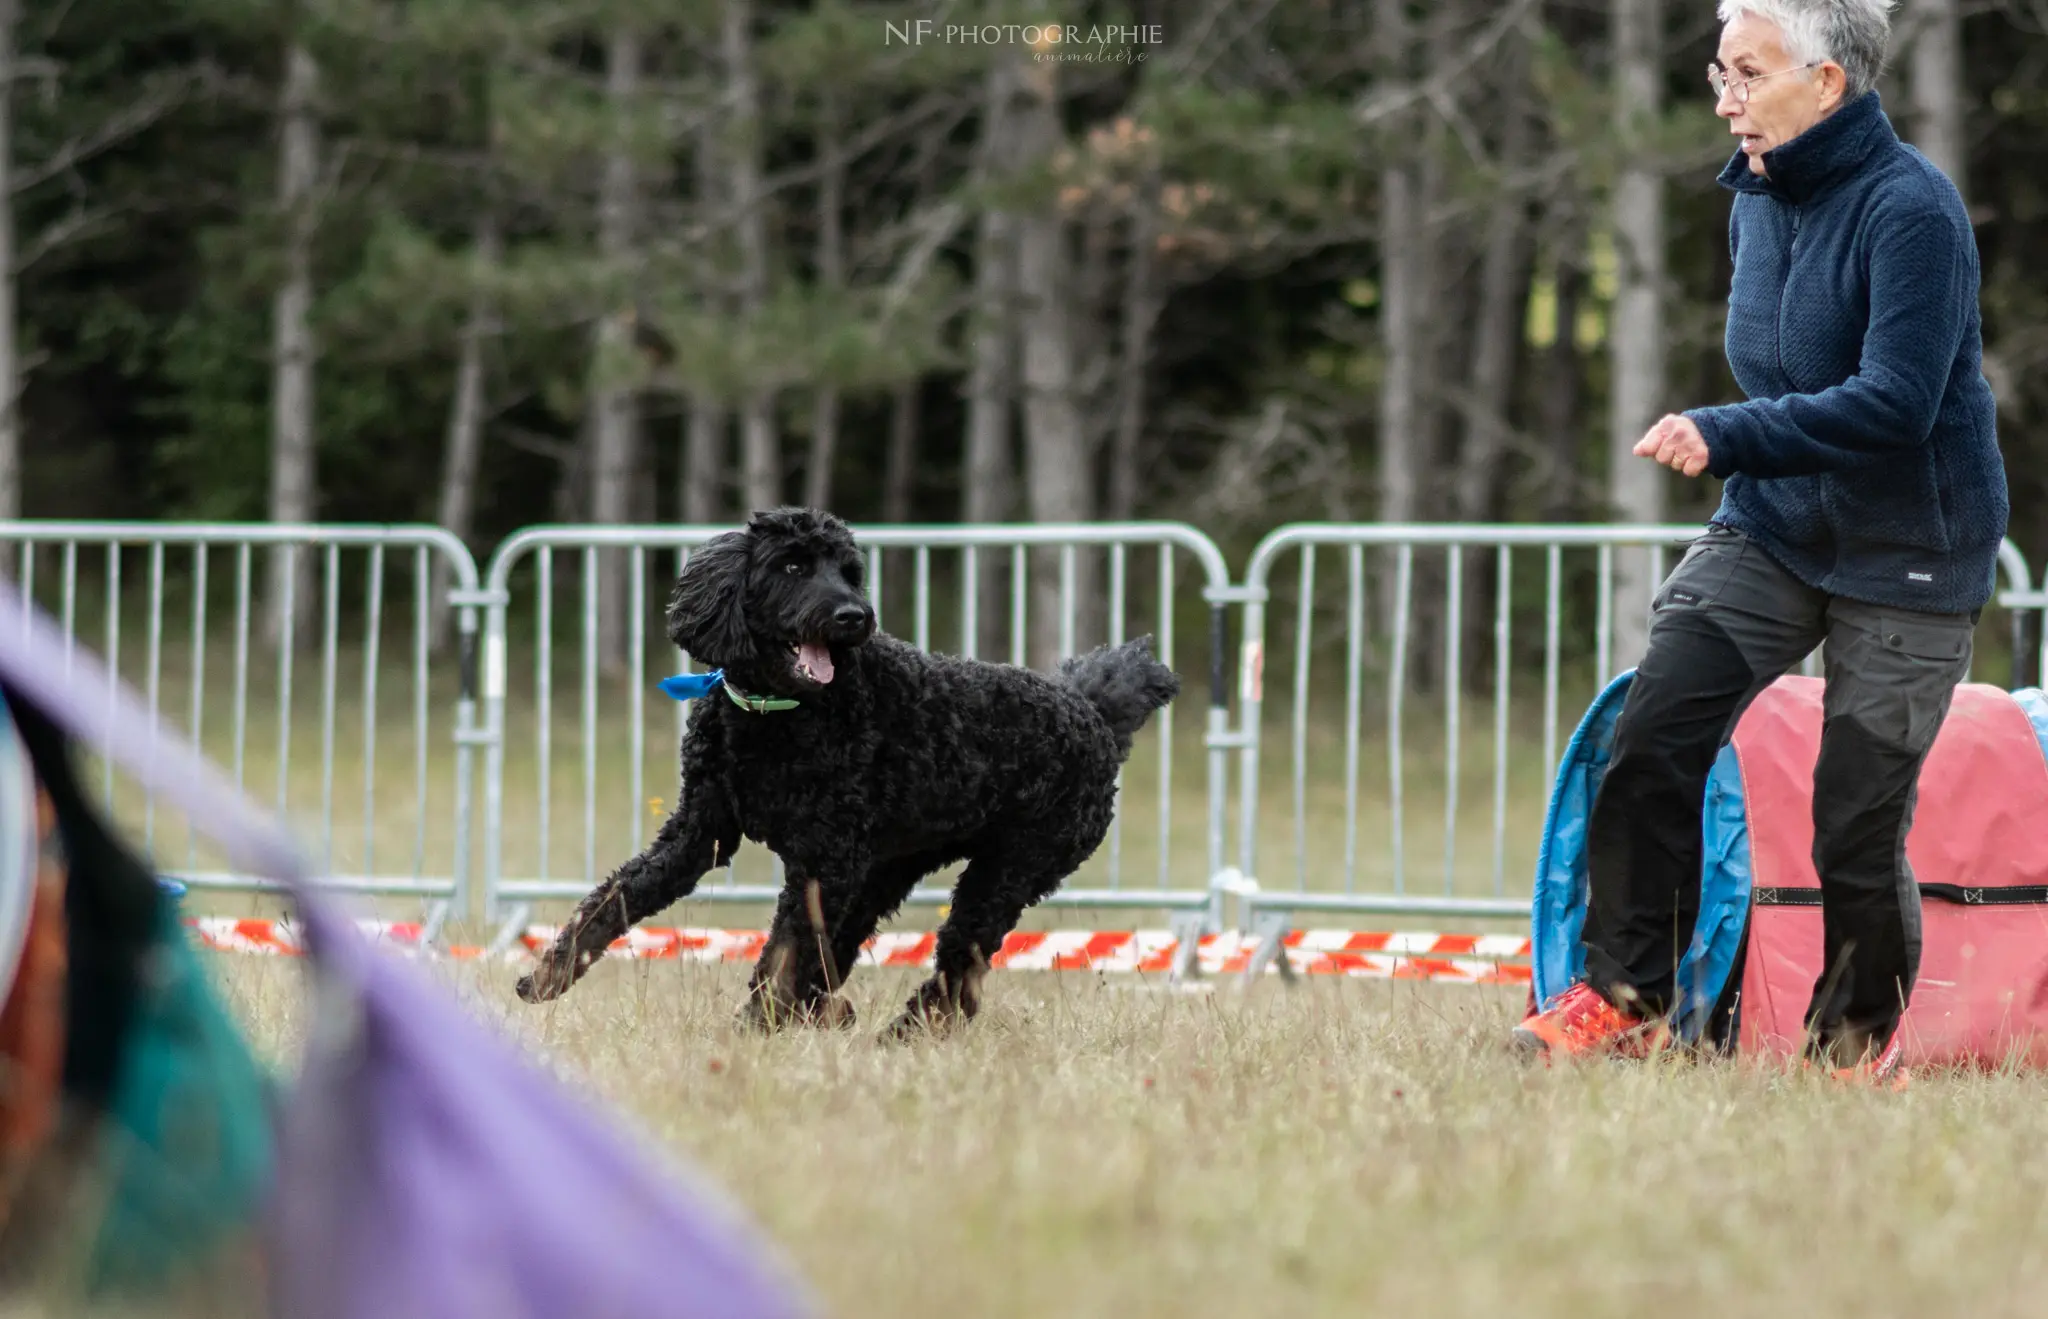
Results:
[1497, 337]
[615, 411]
[831, 275]
[1141, 314]
[1403, 277]
[1564, 385]
[991, 388]
[1400, 325]
[10, 353]
[1940, 96]
[1057, 469]
[707, 447]
[287, 608]
[899, 475]
[464, 454]
[761, 446]
[707, 435]
[1636, 486]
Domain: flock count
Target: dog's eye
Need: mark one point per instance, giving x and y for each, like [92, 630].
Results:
[793, 568]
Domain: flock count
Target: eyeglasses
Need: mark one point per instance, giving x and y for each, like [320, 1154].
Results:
[1718, 79]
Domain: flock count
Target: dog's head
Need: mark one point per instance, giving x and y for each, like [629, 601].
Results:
[777, 605]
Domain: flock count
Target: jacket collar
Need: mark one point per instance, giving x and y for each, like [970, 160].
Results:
[1810, 165]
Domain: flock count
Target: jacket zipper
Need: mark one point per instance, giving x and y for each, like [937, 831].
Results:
[1791, 255]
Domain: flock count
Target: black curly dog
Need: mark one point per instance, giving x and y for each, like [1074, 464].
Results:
[892, 764]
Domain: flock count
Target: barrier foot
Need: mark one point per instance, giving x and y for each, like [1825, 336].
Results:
[435, 927]
[507, 936]
[1271, 949]
[1188, 928]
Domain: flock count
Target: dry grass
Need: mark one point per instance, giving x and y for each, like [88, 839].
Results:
[1097, 1147]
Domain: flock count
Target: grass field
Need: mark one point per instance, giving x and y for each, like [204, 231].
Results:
[1095, 1147]
[1098, 1146]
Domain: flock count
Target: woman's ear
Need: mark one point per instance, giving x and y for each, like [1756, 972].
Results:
[707, 612]
[1832, 84]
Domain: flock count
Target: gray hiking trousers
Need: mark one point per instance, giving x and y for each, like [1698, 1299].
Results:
[1726, 623]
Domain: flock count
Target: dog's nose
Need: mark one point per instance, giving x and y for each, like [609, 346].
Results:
[850, 616]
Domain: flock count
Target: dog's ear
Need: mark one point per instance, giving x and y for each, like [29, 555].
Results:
[707, 612]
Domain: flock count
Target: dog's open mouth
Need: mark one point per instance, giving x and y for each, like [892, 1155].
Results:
[813, 661]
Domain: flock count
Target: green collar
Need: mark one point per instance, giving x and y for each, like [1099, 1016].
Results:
[759, 704]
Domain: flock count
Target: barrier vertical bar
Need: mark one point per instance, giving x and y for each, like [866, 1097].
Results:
[422, 625]
[113, 650]
[1503, 652]
[373, 658]
[970, 602]
[1166, 724]
[544, 683]
[1354, 704]
[636, 686]
[153, 693]
[1397, 693]
[287, 643]
[1454, 629]
[198, 690]
[589, 712]
[243, 610]
[1304, 618]
[330, 662]
[1116, 638]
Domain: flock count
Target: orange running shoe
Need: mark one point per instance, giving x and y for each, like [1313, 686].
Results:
[1582, 1024]
[1884, 1072]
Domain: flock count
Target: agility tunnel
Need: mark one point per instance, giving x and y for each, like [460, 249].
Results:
[1978, 847]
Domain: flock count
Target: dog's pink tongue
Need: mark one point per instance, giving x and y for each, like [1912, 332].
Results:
[815, 661]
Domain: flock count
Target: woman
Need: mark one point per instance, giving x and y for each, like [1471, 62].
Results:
[1864, 506]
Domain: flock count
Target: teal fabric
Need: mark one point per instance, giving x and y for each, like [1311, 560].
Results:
[186, 1146]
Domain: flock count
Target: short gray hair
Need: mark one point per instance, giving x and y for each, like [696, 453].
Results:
[1855, 34]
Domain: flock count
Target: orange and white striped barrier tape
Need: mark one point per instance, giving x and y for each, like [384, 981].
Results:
[1386, 955]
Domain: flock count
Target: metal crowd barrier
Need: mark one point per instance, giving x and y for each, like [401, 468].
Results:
[1547, 609]
[1403, 685]
[923, 583]
[177, 583]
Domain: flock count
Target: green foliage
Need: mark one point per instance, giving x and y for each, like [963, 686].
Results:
[146, 154]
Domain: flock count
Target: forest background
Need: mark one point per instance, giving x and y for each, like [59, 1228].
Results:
[488, 263]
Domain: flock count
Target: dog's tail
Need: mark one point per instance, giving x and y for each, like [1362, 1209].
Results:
[1124, 683]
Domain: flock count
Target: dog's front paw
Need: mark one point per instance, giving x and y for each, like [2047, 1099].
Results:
[550, 980]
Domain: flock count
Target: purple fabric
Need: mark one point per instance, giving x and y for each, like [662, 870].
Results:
[425, 1167]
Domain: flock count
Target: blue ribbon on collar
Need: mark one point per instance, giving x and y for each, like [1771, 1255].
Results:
[689, 686]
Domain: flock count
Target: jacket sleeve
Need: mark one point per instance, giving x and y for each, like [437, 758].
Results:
[1918, 309]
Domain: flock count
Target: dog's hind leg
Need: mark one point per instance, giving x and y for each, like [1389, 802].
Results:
[801, 966]
[797, 975]
[793, 983]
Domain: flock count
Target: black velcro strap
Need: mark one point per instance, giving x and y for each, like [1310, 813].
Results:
[2018, 895]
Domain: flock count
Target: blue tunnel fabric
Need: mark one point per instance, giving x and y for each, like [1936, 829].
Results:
[2035, 702]
[1558, 910]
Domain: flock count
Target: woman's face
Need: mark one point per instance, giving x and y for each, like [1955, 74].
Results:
[1779, 107]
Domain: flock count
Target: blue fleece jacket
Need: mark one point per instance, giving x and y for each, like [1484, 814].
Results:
[1866, 459]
